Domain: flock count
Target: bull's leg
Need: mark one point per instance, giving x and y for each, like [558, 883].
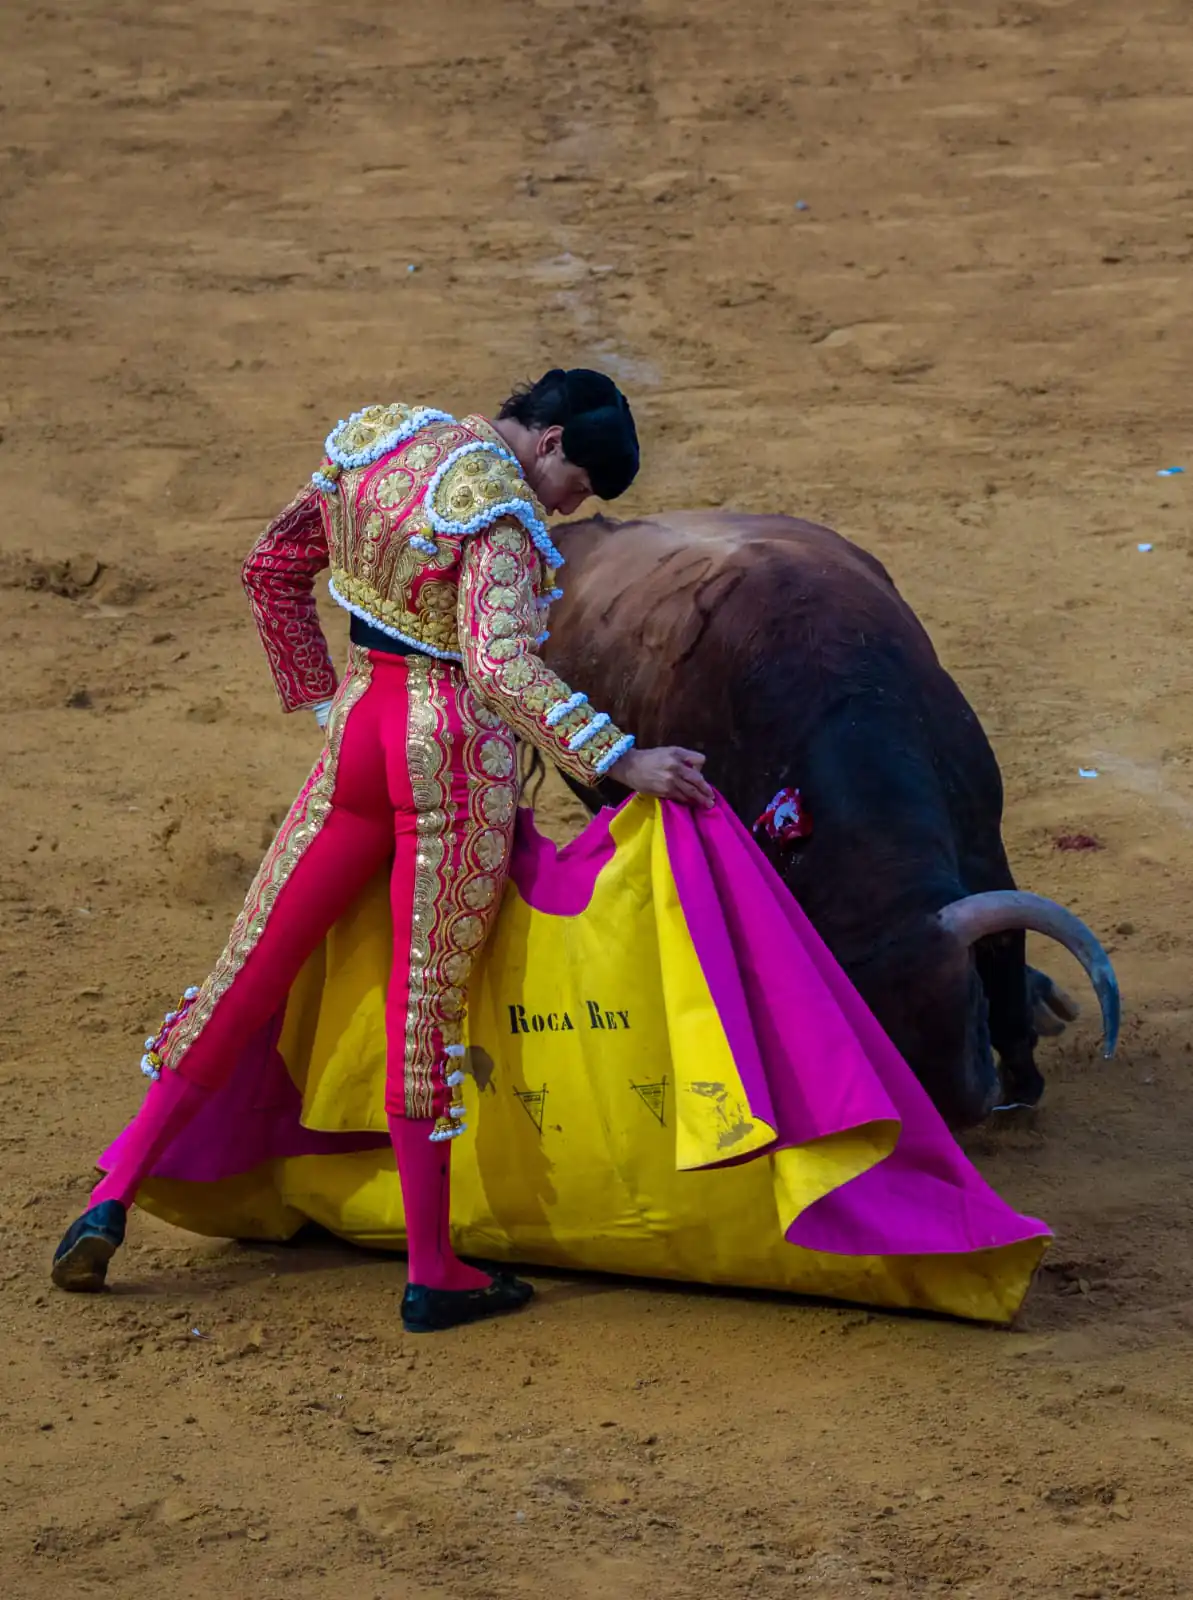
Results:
[534, 772]
[605, 794]
[1002, 967]
[1052, 1009]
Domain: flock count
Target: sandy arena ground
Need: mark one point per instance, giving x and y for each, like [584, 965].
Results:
[965, 352]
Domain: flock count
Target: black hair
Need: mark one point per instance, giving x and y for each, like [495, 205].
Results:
[598, 426]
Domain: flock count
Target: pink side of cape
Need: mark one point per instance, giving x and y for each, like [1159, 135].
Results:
[809, 1049]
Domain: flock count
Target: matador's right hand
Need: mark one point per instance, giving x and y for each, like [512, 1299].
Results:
[669, 772]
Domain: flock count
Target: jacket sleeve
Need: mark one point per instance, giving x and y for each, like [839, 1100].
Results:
[499, 636]
[279, 577]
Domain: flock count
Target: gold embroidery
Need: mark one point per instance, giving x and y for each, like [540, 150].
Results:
[457, 967]
[468, 932]
[491, 813]
[338, 522]
[378, 511]
[490, 850]
[374, 530]
[485, 715]
[479, 892]
[368, 427]
[452, 1002]
[498, 805]
[539, 697]
[393, 488]
[421, 456]
[496, 758]
[302, 824]
[427, 758]
[517, 674]
[379, 508]
[437, 601]
[430, 625]
[499, 633]
[504, 568]
[477, 481]
[459, 866]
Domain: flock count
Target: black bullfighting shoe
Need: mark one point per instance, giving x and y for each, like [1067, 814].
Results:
[435, 1310]
[81, 1260]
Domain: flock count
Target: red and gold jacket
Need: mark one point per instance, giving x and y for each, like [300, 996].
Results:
[433, 536]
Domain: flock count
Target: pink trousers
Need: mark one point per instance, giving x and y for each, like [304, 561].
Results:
[417, 775]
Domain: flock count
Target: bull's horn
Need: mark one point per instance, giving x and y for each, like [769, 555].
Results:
[979, 915]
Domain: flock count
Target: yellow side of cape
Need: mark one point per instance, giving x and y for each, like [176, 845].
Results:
[602, 1103]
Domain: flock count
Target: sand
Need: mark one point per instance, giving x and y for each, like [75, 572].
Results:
[963, 352]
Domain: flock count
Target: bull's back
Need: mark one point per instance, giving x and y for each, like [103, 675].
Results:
[721, 624]
[787, 655]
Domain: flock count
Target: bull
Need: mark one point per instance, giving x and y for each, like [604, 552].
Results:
[787, 655]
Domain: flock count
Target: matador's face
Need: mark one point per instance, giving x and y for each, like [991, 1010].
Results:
[560, 484]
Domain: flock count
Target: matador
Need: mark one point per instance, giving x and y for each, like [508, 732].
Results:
[435, 535]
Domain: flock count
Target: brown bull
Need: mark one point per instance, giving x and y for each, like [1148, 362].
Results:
[787, 655]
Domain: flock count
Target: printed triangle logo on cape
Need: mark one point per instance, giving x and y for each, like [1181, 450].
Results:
[534, 1103]
[654, 1098]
